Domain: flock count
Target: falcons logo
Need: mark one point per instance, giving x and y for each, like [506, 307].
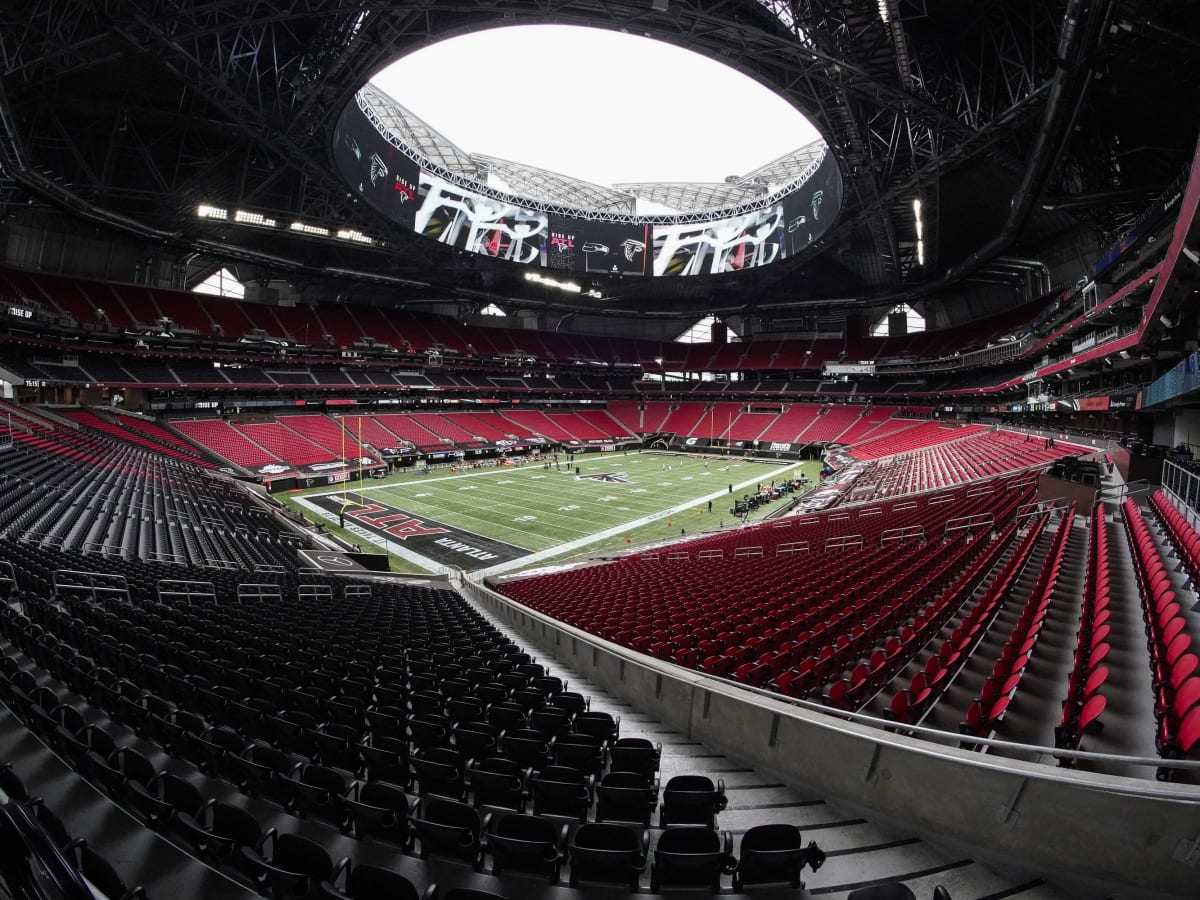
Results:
[607, 478]
[378, 168]
[632, 248]
[817, 197]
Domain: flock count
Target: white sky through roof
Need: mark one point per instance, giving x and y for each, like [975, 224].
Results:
[597, 105]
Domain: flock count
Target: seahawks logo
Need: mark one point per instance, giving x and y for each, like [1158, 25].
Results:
[607, 478]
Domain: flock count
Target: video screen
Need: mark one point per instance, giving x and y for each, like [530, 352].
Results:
[599, 248]
[381, 174]
[479, 224]
[811, 208]
[398, 188]
[725, 245]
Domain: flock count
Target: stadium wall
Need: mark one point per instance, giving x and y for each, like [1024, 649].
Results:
[1091, 831]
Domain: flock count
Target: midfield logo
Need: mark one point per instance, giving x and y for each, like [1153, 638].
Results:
[607, 478]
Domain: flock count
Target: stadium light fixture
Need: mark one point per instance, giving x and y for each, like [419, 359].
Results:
[920, 227]
[314, 230]
[568, 286]
[243, 217]
[204, 211]
[353, 234]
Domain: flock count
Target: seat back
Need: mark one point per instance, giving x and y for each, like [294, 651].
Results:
[379, 810]
[560, 791]
[367, 882]
[774, 854]
[448, 828]
[690, 857]
[526, 843]
[625, 797]
[894, 891]
[498, 782]
[692, 800]
[635, 755]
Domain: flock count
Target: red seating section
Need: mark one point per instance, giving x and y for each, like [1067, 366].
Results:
[871, 424]
[832, 423]
[694, 419]
[228, 443]
[406, 429]
[959, 459]
[157, 433]
[910, 704]
[538, 423]
[603, 424]
[791, 424]
[324, 432]
[629, 414]
[1084, 703]
[488, 426]
[988, 709]
[100, 306]
[922, 434]
[1173, 659]
[749, 425]
[445, 427]
[718, 603]
[1184, 538]
[369, 430]
[579, 427]
[285, 443]
[129, 431]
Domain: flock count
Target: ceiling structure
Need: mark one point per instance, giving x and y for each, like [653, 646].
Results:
[541, 185]
[1019, 125]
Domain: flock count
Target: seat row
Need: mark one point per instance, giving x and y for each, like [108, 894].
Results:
[1183, 536]
[444, 826]
[31, 833]
[1173, 659]
[1002, 684]
[1084, 702]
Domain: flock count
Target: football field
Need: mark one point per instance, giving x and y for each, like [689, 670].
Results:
[506, 517]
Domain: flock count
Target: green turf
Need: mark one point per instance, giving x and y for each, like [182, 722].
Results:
[538, 510]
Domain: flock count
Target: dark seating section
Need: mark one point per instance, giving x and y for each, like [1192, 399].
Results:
[409, 684]
[127, 503]
[690, 857]
[774, 855]
[38, 854]
[367, 882]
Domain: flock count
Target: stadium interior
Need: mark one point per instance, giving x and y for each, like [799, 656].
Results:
[382, 519]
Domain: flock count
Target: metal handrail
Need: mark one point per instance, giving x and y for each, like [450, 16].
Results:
[1118, 492]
